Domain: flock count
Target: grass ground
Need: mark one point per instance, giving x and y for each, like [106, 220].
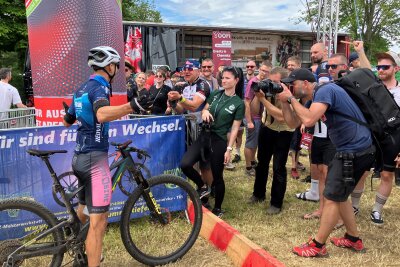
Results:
[278, 234]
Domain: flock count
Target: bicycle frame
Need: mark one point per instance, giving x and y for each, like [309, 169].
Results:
[73, 223]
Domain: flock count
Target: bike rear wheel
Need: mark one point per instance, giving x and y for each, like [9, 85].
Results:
[147, 239]
[21, 220]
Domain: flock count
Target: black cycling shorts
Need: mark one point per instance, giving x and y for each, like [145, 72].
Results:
[390, 149]
[322, 151]
[93, 173]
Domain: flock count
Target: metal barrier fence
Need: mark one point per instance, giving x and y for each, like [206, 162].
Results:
[17, 118]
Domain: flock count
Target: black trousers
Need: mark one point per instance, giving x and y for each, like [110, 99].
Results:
[272, 143]
[216, 160]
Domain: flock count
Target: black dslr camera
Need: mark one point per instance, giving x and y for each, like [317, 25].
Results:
[269, 87]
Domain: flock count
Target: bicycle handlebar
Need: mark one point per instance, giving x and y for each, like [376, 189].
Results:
[125, 146]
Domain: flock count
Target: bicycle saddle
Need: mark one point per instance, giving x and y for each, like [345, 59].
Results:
[41, 153]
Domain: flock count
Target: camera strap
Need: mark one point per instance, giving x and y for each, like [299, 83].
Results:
[222, 95]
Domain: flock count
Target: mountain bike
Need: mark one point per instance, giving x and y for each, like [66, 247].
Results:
[125, 180]
[33, 236]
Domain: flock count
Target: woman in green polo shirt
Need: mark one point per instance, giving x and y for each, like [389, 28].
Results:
[224, 111]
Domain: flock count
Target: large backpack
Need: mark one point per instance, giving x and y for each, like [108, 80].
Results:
[374, 100]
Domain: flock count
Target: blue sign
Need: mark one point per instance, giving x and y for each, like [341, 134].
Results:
[22, 175]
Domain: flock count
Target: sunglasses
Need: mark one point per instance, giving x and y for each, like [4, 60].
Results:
[383, 67]
[250, 67]
[333, 66]
[188, 69]
[206, 67]
[231, 69]
[159, 76]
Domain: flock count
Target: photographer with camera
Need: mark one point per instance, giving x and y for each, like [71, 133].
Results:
[273, 140]
[190, 95]
[224, 110]
[354, 154]
[253, 120]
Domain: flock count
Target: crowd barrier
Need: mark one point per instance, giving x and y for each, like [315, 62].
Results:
[22, 175]
[17, 118]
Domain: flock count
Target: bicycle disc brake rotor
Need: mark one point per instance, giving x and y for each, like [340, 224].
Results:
[6, 248]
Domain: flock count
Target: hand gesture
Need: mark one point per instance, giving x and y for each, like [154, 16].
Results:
[283, 97]
[358, 46]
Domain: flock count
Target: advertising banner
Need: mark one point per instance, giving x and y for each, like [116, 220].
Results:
[221, 49]
[60, 35]
[22, 175]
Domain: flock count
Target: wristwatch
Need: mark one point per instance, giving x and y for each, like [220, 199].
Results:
[289, 100]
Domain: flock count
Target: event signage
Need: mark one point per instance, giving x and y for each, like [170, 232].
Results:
[22, 175]
[60, 34]
[221, 48]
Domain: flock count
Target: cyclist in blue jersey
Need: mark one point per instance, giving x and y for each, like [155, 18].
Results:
[91, 110]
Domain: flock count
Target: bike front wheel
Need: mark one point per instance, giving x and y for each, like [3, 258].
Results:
[21, 221]
[164, 235]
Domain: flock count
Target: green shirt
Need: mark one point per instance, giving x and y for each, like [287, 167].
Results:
[224, 109]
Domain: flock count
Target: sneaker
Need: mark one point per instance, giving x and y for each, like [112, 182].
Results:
[310, 249]
[254, 164]
[272, 210]
[218, 212]
[295, 174]
[236, 158]
[253, 199]
[344, 242]
[230, 166]
[356, 211]
[376, 218]
[204, 191]
[251, 172]
[300, 166]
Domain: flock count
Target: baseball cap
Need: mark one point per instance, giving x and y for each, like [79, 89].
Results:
[353, 56]
[191, 63]
[389, 55]
[300, 74]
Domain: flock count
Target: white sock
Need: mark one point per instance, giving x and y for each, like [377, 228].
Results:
[314, 190]
[238, 151]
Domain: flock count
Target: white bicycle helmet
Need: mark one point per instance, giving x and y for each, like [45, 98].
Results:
[102, 56]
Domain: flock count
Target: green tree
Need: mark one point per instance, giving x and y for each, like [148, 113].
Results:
[378, 19]
[140, 10]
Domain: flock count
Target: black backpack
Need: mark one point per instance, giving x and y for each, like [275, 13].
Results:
[374, 100]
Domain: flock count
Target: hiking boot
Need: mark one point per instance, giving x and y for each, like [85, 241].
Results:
[356, 211]
[295, 174]
[310, 249]
[344, 242]
[236, 158]
[300, 166]
[230, 166]
[204, 191]
[272, 210]
[253, 200]
[307, 179]
[376, 218]
[218, 212]
[251, 172]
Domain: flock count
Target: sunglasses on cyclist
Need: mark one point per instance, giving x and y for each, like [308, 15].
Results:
[206, 67]
[383, 67]
[333, 66]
